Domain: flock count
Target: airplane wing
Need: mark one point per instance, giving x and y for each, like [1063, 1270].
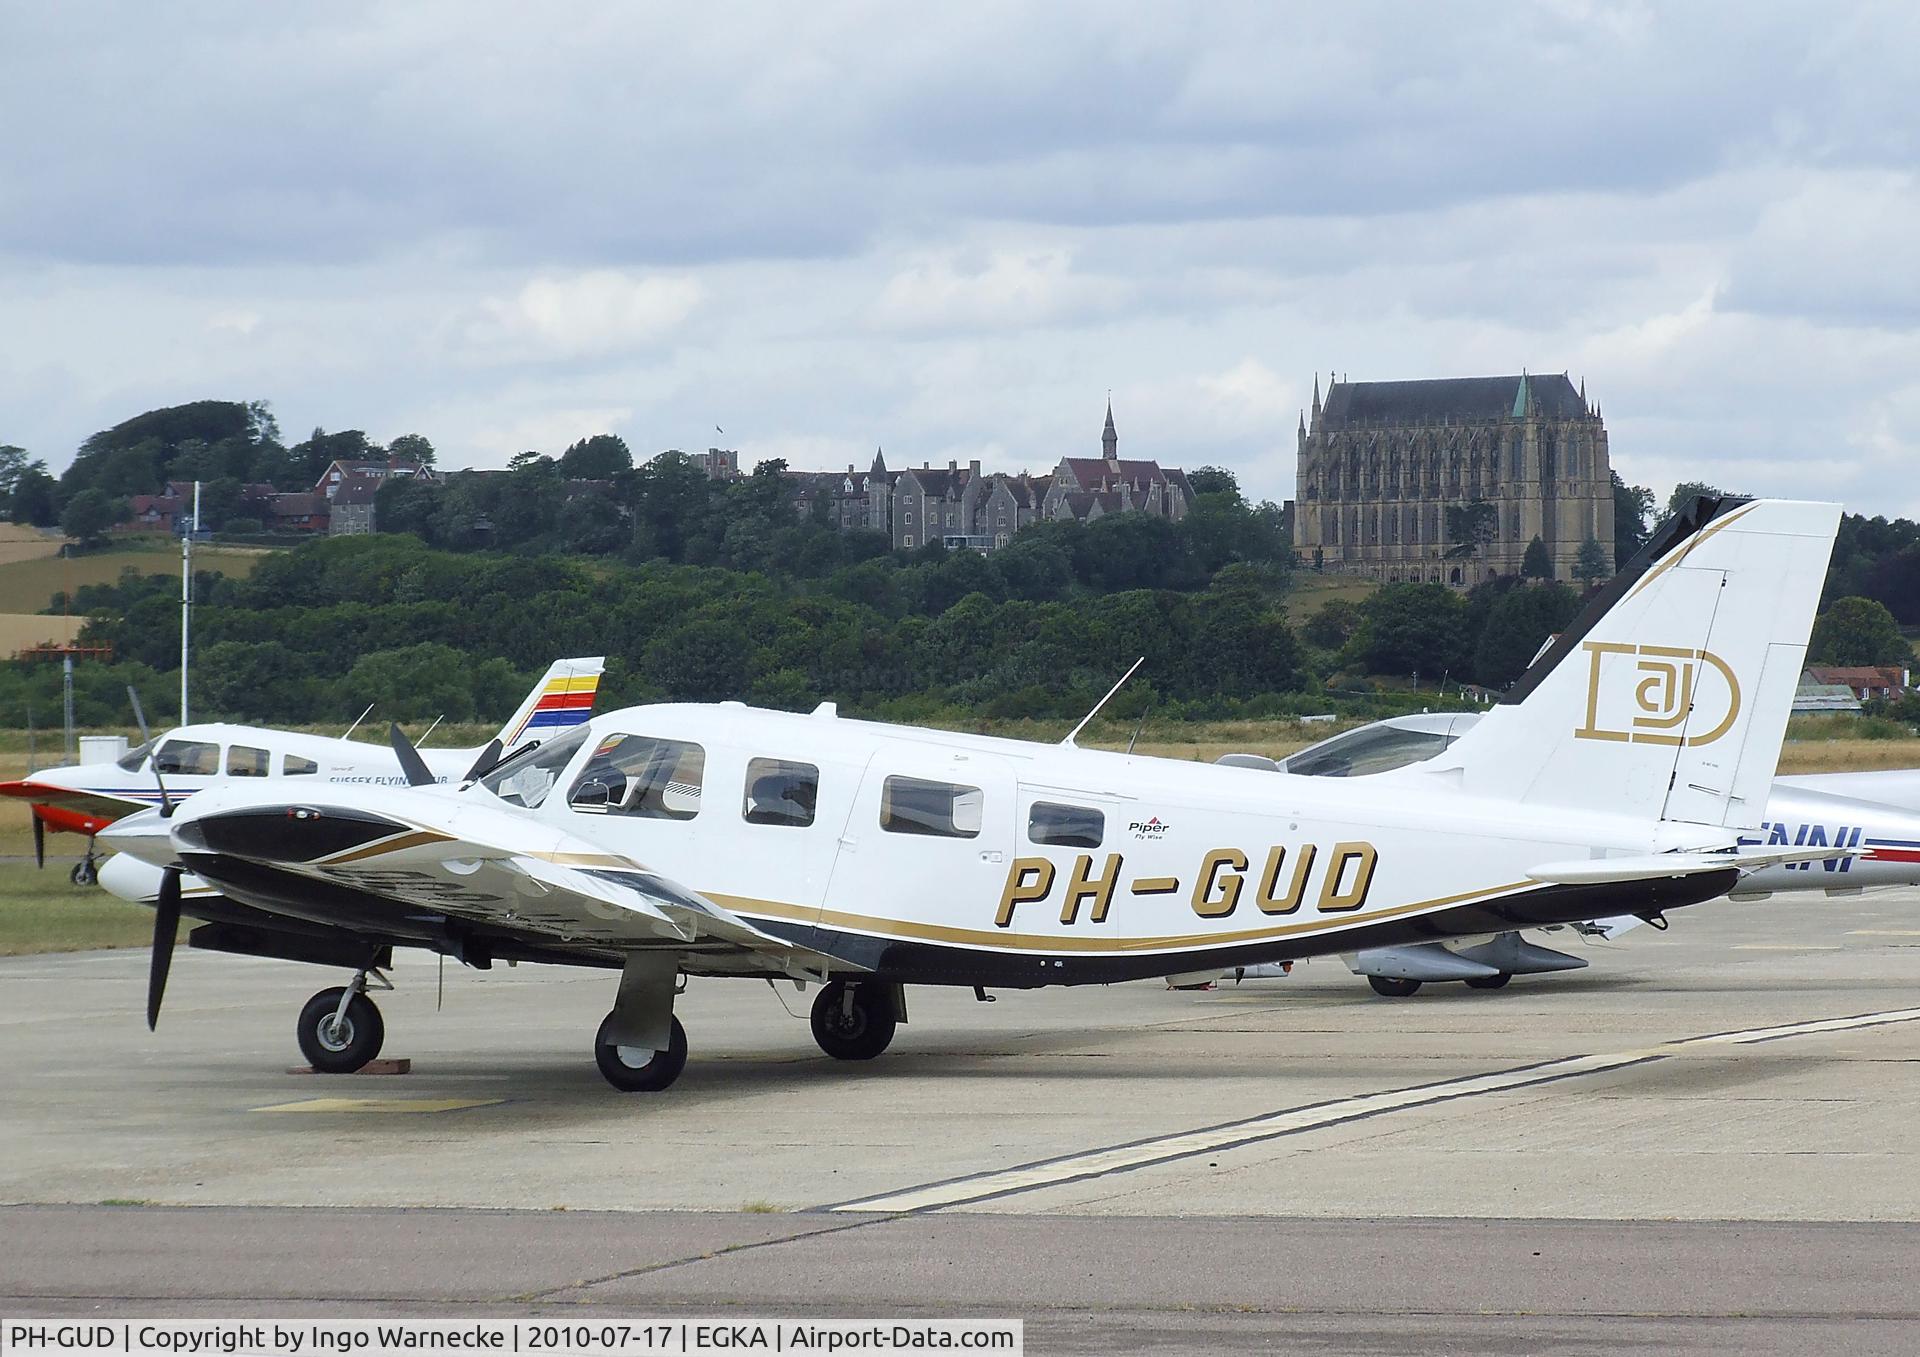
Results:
[1651, 866]
[417, 864]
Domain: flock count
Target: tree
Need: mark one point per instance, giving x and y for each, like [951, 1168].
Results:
[600, 458]
[1518, 624]
[1632, 512]
[13, 464]
[1856, 631]
[1413, 629]
[35, 496]
[89, 514]
[1333, 625]
[1213, 479]
[1471, 526]
[411, 447]
[1590, 564]
[1537, 563]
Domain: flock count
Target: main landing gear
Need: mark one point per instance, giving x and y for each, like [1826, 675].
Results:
[1393, 987]
[855, 1020]
[640, 1069]
[340, 1028]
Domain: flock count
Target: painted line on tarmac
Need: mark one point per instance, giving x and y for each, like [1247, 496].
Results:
[1139, 1154]
[383, 1105]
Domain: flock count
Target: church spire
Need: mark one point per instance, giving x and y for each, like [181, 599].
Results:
[1109, 440]
[879, 463]
[1316, 395]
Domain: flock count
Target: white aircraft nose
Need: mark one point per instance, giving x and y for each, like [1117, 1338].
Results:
[146, 835]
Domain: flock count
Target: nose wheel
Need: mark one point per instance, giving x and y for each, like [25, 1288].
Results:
[340, 1028]
[854, 1021]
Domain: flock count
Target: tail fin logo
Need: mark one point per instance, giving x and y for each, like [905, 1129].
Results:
[1645, 694]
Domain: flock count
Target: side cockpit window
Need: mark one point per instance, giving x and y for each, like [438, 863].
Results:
[246, 761]
[641, 776]
[194, 758]
[526, 778]
[134, 758]
[911, 805]
[781, 793]
[1064, 826]
[292, 765]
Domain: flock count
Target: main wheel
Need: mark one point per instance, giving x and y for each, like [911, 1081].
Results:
[1393, 987]
[1490, 981]
[633, 1069]
[344, 1046]
[856, 1030]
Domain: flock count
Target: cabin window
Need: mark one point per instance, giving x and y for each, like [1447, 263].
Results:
[292, 765]
[641, 776]
[1065, 826]
[246, 761]
[780, 793]
[909, 805]
[193, 757]
[526, 778]
[131, 760]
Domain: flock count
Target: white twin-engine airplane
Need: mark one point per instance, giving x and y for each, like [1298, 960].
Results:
[84, 798]
[719, 840]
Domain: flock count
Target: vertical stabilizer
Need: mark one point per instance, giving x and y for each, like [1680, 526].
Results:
[561, 699]
[1669, 697]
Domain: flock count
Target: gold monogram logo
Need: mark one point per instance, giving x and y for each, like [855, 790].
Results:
[1645, 694]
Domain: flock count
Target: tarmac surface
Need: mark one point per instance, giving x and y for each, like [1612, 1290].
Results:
[1708, 1141]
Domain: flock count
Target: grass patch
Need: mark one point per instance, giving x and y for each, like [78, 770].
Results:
[759, 1208]
[44, 912]
[31, 584]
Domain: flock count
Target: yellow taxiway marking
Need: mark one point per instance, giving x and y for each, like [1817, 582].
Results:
[1883, 932]
[1097, 1163]
[382, 1105]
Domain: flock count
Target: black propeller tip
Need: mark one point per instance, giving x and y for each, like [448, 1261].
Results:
[411, 764]
[166, 922]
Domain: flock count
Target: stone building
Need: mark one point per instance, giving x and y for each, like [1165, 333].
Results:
[1091, 487]
[1381, 462]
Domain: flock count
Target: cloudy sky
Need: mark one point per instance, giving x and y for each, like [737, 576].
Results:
[951, 231]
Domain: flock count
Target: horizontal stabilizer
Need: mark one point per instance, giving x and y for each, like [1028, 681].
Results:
[1652, 866]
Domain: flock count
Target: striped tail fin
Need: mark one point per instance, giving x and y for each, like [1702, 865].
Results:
[563, 698]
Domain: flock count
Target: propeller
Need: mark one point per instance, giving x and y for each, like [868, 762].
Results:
[166, 922]
[39, 842]
[415, 767]
[488, 757]
[146, 737]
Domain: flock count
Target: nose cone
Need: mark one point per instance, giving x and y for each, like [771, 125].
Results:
[128, 877]
[145, 835]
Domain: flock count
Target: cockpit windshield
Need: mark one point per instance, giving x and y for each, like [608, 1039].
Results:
[1370, 749]
[525, 780]
[131, 760]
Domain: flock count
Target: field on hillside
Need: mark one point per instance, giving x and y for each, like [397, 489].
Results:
[1309, 591]
[21, 543]
[29, 585]
[21, 630]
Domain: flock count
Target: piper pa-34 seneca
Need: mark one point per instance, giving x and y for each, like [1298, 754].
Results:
[718, 840]
[85, 798]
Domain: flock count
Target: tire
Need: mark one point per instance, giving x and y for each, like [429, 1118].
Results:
[659, 1070]
[1393, 987]
[859, 1034]
[346, 1050]
[83, 874]
[1490, 981]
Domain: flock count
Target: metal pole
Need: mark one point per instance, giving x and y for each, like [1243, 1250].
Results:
[186, 597]
[66, 680]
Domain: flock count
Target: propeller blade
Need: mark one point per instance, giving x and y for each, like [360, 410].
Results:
[415, 767]
[146, 737]
[488, 757]
[166, 922]
[39, 842]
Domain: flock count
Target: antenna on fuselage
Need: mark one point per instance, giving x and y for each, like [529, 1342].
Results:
[430, 729]
[1068, 742]
[357, 720]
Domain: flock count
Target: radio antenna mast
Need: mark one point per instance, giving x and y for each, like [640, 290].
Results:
[1068, 742]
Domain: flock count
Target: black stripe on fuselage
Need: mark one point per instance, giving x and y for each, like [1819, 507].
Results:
[930, 963]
